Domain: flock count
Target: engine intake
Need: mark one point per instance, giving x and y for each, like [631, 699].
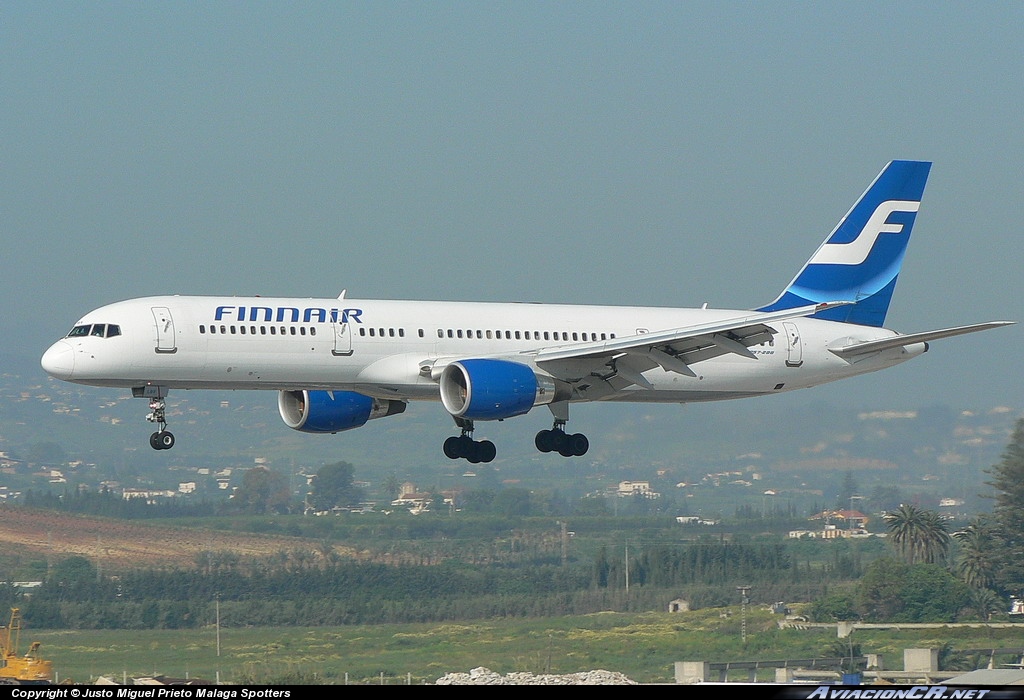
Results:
[493, 389]
[332, 411]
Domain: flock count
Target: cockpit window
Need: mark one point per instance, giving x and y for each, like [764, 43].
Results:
[98, 330]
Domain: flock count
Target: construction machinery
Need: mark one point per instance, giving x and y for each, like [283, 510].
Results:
[28, 669]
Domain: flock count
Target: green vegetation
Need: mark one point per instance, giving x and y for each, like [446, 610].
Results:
[644, 646]
[514, 580]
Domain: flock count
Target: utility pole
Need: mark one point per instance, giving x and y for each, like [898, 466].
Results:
[744, 590]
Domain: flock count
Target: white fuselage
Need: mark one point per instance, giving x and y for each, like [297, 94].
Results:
[395, 349]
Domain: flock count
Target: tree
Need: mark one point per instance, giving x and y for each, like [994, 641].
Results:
[1008, 482]
[978, 545]
[392, 487]
[263, 491]
[893, 591]
[920, 536]
[333, 486]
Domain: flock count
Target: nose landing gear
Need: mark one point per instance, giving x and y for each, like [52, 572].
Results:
[162, 439]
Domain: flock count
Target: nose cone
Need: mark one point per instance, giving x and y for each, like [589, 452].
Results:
[59, 360]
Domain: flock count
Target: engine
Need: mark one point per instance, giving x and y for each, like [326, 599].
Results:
[332, 411]
[493, 389]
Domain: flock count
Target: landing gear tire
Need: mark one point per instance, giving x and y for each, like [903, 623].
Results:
[465, 447]
[575, 445]
[161, 440]
[487, 451]
[452, 448]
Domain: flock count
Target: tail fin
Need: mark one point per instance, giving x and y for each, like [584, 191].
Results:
[861, 258]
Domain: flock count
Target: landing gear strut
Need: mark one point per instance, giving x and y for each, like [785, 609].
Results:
[466, 447]
[161, 439]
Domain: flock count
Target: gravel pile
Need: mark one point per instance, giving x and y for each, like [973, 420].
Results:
[485, 676]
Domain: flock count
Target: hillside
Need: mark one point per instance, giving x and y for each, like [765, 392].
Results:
[115, 544]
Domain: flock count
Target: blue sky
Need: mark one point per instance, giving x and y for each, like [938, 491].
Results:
[652, 153]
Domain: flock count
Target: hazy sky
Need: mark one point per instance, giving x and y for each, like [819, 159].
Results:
[638, 153]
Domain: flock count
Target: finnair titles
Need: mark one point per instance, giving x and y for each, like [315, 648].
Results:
[339, 363]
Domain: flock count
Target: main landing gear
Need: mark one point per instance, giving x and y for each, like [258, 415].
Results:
[162, 439]
[466, 447]
[557, 440]
[554, 440]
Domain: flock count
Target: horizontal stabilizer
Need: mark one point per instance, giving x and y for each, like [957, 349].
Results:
[904, 340]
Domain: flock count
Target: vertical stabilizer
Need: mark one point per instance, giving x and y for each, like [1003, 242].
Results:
[861, 259]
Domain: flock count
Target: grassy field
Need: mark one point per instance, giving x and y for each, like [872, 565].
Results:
[642, 646]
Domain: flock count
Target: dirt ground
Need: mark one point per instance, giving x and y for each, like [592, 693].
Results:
[117, 544]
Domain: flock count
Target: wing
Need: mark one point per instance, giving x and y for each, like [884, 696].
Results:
[673, 350]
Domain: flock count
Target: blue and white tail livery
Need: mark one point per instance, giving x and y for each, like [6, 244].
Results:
[338, 363]
[860, 260]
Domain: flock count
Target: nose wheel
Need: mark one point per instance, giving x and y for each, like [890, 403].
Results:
[162, 439]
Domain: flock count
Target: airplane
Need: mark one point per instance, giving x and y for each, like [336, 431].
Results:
[339, 363]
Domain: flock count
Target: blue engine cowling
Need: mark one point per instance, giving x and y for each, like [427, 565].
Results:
[493, 389]
[332, 411]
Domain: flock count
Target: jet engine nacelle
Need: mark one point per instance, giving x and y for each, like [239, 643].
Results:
[332, 411]
[493, 389]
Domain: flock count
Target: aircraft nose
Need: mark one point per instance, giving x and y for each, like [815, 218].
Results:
[59, 360]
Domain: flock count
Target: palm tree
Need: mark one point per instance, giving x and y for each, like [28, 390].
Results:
[920, 536]
[977, 542]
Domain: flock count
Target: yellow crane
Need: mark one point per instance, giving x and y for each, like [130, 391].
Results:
[30, 668]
